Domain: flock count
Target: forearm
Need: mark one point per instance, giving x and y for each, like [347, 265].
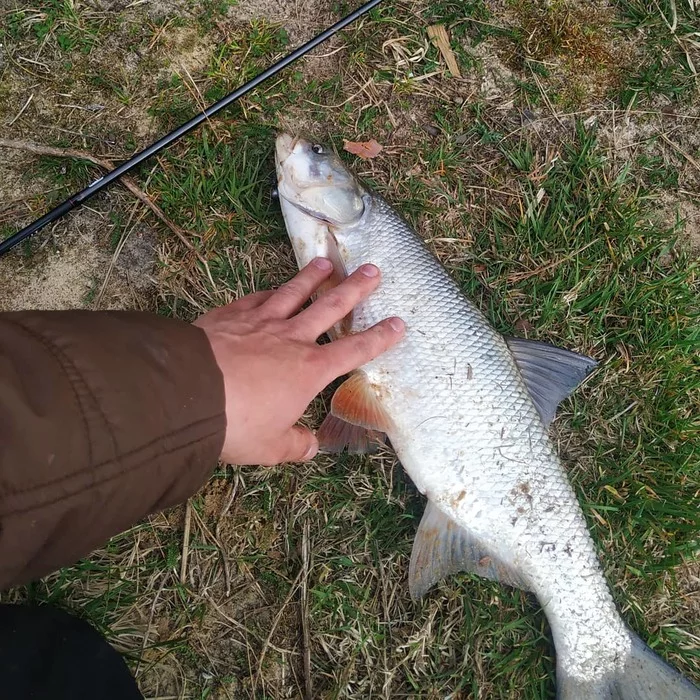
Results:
[105, 417]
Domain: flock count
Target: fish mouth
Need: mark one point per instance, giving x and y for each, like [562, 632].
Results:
[284, 147]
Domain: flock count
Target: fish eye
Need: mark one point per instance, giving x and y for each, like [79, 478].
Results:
[317, 149]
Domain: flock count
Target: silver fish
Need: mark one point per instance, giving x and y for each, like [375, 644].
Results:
[467, 412]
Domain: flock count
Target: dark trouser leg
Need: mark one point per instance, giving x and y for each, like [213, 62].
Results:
[47, 654]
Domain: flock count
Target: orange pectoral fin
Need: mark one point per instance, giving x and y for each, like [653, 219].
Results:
[356, 402]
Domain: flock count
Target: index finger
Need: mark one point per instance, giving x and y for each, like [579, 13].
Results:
[347, 354]
[337, 303]
[292, 295]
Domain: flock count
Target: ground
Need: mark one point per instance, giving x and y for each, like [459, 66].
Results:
[558, 179]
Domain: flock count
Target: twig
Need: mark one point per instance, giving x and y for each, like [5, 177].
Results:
[217, 533]
[545, 97]
[186, 542]
[117, 253]
[150, 626]
[273, 629]
[305, 630]
[520, 276]
[675, 146]
[42, 150]
[158, 34]
[21, 111]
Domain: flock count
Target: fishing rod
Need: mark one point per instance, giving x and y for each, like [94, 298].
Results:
[69, 204]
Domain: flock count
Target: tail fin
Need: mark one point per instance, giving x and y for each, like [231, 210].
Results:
[646, 676]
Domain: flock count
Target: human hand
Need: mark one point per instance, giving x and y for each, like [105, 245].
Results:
[273, 367]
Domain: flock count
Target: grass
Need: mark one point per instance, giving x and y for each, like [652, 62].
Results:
[56, 21]
[672, 35]
[562, 227]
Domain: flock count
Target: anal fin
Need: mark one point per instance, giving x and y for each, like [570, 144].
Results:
[442, 548]
[336, 435]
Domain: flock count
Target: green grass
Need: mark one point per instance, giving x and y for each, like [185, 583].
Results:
[670, 32]
[56, 21]
[543, 225]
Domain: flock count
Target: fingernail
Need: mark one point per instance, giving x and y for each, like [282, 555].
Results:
[369, 270]
[311, 452]
[397, 324]
[322, 264]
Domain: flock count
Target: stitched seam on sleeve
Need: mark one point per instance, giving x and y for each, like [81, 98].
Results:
[76, 377]
[98, 483]
[60, 359]
[126, 455]
[81, 389]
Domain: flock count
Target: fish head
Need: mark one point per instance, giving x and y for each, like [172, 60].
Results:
[312, 179]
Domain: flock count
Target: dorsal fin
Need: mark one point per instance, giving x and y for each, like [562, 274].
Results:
[442, 547]
[550, 373]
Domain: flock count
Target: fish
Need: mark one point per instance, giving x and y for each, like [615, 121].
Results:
[466, 411]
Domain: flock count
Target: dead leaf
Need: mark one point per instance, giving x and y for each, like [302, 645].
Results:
[363, 149]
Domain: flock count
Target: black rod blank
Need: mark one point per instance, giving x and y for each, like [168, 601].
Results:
[102, 182]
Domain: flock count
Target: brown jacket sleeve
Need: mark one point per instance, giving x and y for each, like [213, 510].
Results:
[105, 417]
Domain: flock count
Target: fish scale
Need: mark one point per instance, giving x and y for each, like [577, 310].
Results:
[472, 427]
[467, 413]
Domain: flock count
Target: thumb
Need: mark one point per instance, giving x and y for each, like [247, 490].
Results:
[298, 444]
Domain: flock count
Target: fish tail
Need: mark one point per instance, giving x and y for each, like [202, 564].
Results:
[645, 676]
